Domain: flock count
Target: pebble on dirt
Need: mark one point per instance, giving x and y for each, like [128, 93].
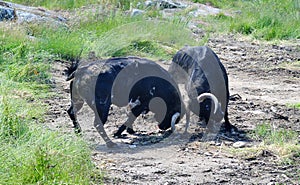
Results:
[240, 144]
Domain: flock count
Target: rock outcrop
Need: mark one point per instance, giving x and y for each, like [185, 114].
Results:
[24, 14]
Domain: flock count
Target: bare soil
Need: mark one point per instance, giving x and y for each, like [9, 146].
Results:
[262, 86]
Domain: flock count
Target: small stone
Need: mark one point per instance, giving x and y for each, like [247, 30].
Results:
[218, 144]
[132, 146]
[113, 168]
[206, 170]
[212, 143]
[136, 12]
[149, 3]
[242, 135]
[208, 153]
[239, 144]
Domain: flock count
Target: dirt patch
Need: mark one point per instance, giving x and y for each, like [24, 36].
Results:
[261, 90]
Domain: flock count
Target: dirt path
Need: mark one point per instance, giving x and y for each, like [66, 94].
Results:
[265, 88]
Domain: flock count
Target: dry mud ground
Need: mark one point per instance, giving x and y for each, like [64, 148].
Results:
[265, 86]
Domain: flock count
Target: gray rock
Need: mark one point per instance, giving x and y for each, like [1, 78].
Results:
[149, 3]
[239, 144]
[137, 12]
[170, 4]
[165, 4]
[205, 10]
[21, 13]
[7, 13]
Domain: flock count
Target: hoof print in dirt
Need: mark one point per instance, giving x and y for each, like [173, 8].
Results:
[151, 138]
[195, 137]
[111, 145]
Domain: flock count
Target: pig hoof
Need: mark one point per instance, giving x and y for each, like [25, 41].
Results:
[130, 131]
[117, 135]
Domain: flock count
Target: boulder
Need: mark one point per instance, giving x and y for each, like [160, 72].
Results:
[204, 10]
[168, 4]
[7, 13]
[136, 12]
[165, 4]
[21, 13]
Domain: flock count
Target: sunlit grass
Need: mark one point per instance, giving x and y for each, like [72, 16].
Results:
[41, 156]
[30, 153]
[263, 19]
[282, 143]
[151, 31]
[56, 4]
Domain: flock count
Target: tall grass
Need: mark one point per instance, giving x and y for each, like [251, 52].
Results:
[283, 142]
[29, 152]
[72, 4]
[45, 157]
[56, 4]
[263, 19]
[156, 32]
[269, 135]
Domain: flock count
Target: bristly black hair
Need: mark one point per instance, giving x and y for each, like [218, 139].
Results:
[70, 71]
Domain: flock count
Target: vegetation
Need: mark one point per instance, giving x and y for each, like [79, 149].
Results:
[291, 65]
[263, 19]
[278, 136]
[282, 143]
[29, 152]
[56, 4]
[295, 106]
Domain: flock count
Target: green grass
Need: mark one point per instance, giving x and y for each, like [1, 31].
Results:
[295, 105]
[218, 3]
[262, 19]
[283, 143]
[29, 152]
[277, 136]
[56, 4]
[127, 35]
[41, 156]
[146, 49]
[72, 4]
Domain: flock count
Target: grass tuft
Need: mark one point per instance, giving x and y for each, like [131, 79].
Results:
[45, 157]
[278, 136]
[282, 143]
[150, 32]
[31, 153]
